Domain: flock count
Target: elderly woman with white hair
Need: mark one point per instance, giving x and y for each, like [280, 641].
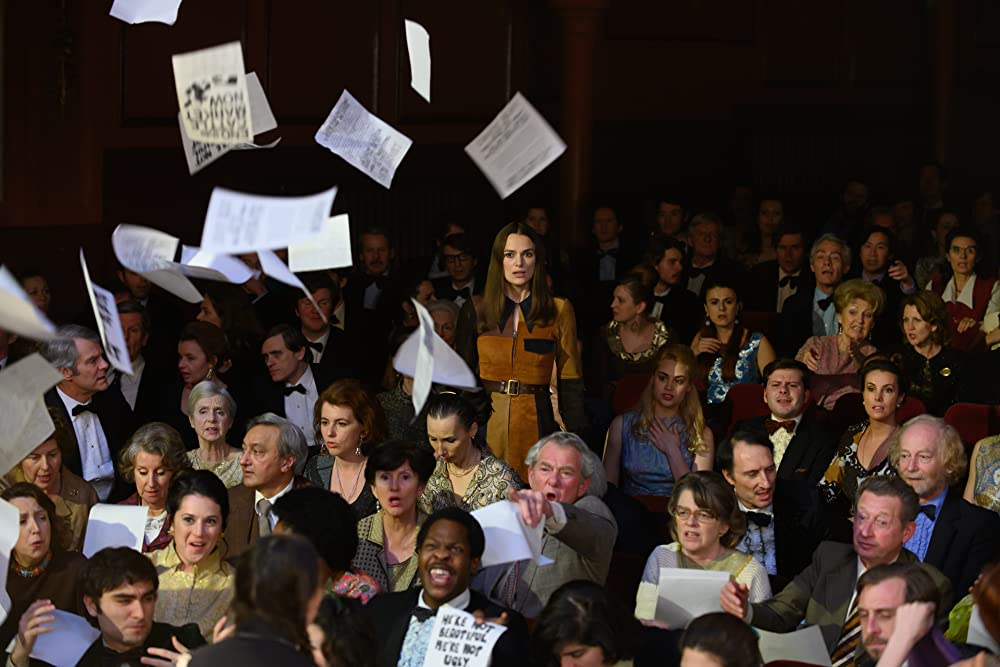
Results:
[445, 315]
[211, 410]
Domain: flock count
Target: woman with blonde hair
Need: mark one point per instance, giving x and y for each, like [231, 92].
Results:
[650, 448]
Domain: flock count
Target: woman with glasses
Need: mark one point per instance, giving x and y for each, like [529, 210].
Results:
[707, 525]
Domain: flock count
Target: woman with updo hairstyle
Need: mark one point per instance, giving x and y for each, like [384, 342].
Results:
[719, 640]
[926, 357]
[465, 476]
[212, 410]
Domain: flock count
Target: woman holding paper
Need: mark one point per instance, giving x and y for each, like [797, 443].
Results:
[707, 525]
[523, 331]
[39, 569]
[152, 458]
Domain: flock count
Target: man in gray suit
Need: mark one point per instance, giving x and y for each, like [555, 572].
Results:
[823, 594]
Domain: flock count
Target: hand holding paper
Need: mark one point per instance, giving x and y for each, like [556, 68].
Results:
[508, 538]
[684, 595]
[458, 639]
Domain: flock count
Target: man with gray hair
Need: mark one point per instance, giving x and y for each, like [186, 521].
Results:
[810, 311]
[274, 455]
[101, 419]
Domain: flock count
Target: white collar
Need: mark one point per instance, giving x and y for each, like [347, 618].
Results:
[966, 296]
[308, 381]
[797, 420]
[763, 510]
[460, 601]
[258, 496]
[782, 274]
[321, 340]
[70, 402]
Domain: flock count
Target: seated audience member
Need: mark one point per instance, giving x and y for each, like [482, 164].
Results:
[459, 285]
[803, 448]
[140, 389]
[202, 355]
[342, 636]
[935, 262]
[228, 307]
[933, 367]
[780, 533]
[397, 473]
[649, 449]
[325, 519]
[670, 217]
[629, 342]
[404, 319]
[196, 584]
[351, 425]
[449, 548]
[434, 266]
[702, 643]
[846, 221]
[119, 588]
[952, 534]
[757, 244]
[36, 286]
[774, 281]
[704, 236]
[863, 450]
[836, 359]
[984, 626]
[153, 457]
[329, 344]
[464, 476]
[101, 419]
[274, 454]
[973, 301]
[708, 524]
[71, 496]
[808, 312]
[211, 409]
[401, 420]
[162, 310]
[822, 593]
[674, 305]
[276, 597]
[983, 487]
[728, 353]
[445, 315]
[881, 266]
[39, 568]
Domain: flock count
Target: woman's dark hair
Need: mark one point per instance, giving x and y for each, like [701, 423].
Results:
[239, 319]
[731, 353]
[323, 518]
[28, 490]
[449, 404]
[711, 492]
[274, 583]
[884, 231]
[658, 247]
[473, 530]
[961, 232]
[392, 454]
[349, 638]
[580, 612]
[543, 309]
[198, 483]
[638, 287]
[753, 239]
[212, 341]
[881, 362]
[724, 636]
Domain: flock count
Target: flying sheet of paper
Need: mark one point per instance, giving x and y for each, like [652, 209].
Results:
[25, 419]
[146, 11]
[684, 595]
[10, 518]
[515, 147]
[150, 252]
[199, 155]
[272, 266]
[508, 538]
[330, 249]
[224, 268]
[424, 372]
[445, 367]
[364, 140]
[418, 45]
[212, 94]
[114, 526]
[19, 314]
[70, 638]
[237, 222]
[108, 322]
[456, 640]
[805, 646]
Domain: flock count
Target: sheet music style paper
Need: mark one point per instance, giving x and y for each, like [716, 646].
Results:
[330, 249]
[146, 11]
[25, 419]
[683, 595]
[19, 314]
[515, 147]
[108, 322]
[150, 253]
[363, 140]
[212, 94]
[70, 638]
[508, 538]
[10, 519]
[114, 526]
[237, 222]
[418, 46]
[456, 640]
[805, 645]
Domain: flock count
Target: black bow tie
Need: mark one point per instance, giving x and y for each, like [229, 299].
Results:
[790, 280]
[80, 409]
[760, 519]
[111, 658]
[930, 511]
[316, 346]
[611, 252]
[423, 613]
[465, 292]
[824, 303]
[295, 388]
[695, 271]
[378, 281]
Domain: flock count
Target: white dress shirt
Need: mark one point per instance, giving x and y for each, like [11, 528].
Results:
[299, 407]
[95, 455]
[787, 290]
[258, 496]
[781, 439]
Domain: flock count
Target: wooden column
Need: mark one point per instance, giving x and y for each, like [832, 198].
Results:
[581, 21]
[943, 18]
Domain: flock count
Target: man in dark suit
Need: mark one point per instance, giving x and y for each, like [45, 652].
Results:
[776, 280]
[673, 304]
[459, 259]
[823, 593]
[704, 239]
[140, 390]
[274, 454]
[880, 265]
[162, 309]
[600, 265]
[449, 547]
[951, 534]
[803, 449]
[101, 419]
[330, 344]
[811, 312]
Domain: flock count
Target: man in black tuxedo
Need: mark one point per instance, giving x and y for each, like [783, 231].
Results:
[803, 449]
[952, 534]
[673, 304]
[460, 260]
[777, 280]
[450, 546]
[101, 419]
[140, 389]
[163, 311]
[881, 266]
[704, 239]
[330, 344]
[810, 312]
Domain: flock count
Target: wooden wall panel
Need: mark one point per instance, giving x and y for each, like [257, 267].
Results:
[885, 41]
[725, 21]
[802, 43]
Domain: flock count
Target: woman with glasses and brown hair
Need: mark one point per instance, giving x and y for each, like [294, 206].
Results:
[707, 525]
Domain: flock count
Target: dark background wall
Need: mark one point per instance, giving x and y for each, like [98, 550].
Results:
[690, 95]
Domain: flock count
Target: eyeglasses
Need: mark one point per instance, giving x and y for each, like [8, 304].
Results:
[461, 258]
[700, 516]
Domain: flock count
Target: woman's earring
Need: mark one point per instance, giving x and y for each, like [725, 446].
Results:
[357, 450]
[210, 375]
[708, 321]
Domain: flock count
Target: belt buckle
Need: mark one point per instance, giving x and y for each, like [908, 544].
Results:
[511, 387]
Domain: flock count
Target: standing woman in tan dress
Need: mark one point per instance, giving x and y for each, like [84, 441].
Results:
[523, 330]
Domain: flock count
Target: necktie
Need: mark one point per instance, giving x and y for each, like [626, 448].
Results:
[847, 644]
[84, 407]
[761, 519]
[316, 346]
[789, 280]
[773, 425]
[295, 388]
[264, 516]
[930, 511]
[824, 303]
[423, 613]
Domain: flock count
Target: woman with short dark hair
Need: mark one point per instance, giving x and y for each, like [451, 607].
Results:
[721, 640]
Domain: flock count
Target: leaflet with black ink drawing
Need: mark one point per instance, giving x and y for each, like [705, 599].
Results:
[108, 323]
[212, 95]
